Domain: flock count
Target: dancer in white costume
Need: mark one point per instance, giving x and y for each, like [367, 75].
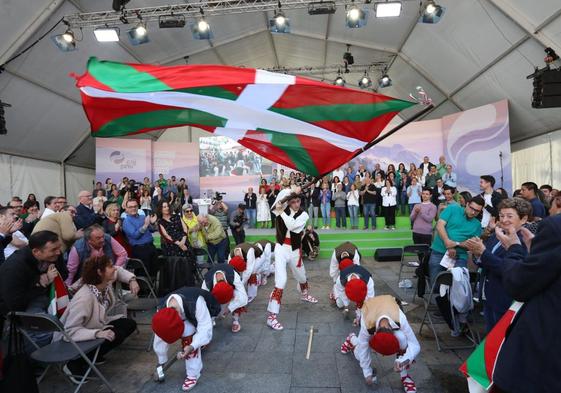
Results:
[290, 222]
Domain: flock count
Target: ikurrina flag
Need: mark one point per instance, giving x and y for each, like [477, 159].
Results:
[480, 365]
[58, 296]
[304, 124]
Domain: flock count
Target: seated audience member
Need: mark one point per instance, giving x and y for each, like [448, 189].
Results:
[26, 275]
[215, 237]
[454, 227]
[31, 201]
[50, 206]
[95, 243]
[19, 240]
[61, 223]
[113, 225]
[529, 191]
[98, 201]
[30, 217]
[513, 213]
[8, 226]
[17, 208]
[138, 230]
[87, 315]
[422, 216]
[185, 314]
[524, 362]
[60, 203]
[173, 233]
[85, 214]
[310, 243]
[555, 207]
[464, 197]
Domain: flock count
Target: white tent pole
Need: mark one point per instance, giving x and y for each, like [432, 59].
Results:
[41, 17]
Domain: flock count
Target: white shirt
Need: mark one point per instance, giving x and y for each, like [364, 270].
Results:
[334, 265]
[352, 197]
[486, 215]
[47, 212]
[341, 296]
[389, 197]
[202, 334]
[240, 295]
[10, 248]
[295, 225]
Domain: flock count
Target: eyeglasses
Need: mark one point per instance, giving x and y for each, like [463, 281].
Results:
[132, 207]
[188, 211]
[475, 210]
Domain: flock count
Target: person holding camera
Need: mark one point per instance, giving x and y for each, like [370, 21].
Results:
[250, 200]
[237, 220]
[219, 210]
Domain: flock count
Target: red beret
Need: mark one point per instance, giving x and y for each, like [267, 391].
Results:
[167, 325]
[384, 343]
[223, 292]
[356, 290]
[345, 263]
[238, 264]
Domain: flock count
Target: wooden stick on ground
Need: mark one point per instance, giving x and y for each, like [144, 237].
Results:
[310, 338]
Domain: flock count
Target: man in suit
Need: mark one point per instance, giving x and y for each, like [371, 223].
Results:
[492, 199]
[526, 362]
[85, 215]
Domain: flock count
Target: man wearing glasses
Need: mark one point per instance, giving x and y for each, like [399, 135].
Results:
[85, 215]
[455, 225]
[138, 230]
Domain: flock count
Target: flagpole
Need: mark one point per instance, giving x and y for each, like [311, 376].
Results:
[379, 139]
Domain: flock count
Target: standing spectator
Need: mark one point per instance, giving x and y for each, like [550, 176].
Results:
[463, 198]
[60, 203]
[157, 197]
[414, 192]
[94, 243]
[237, 220]
[25, 279]
[113, 226]
[432, 177]
[350, 174]
[62, 224]
[32, 201]
[98, 201]
[389, 203]
[438, 192]
[454, 227]
[172, 186]
[193, 229]
[85, 215]
[173, 231]
[215, 237]
[340, 199]
[314, 202]
[146, 202]
[401, 185]
[422, 216]
[173, 202]
[162, 183]
[250, 200]
[378, 185]
[263, 211]
[421, 177]
[448, 194]
[529, 191]
[8, 226]
[449, 177]
[346, 184]
[361, 173]
[555, 207]
[369, 196]
[491, 198]
[353, 197]
[325, 201]
[425, 166]
[272, 196]
[30, 218]
[220, 210]
[441, 167]
[378, 171]
[524, 364]
[50, 206]
[138, 230]
[338, 173]
[181, 188]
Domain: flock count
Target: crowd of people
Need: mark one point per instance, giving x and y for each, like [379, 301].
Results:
[86, 247]
[217, 162]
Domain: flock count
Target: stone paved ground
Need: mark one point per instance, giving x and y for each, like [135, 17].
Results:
[259, 360]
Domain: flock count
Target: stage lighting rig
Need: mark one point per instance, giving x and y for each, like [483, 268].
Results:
[431, 12]
[119, 5]
[387, 9]
[365, 82]
[339, 81]
[171, 21]
[321, 8]
[66, 41]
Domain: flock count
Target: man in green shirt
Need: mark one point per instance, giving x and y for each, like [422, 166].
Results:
[441, 167]
[215, 237]
[455, 225]
[432, 177]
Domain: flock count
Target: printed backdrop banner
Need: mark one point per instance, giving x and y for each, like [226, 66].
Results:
[472, 141]
[116, 158]
[179, 160]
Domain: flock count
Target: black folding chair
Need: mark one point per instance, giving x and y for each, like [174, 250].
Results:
[445, 278]
[419, 251]
[201, 266]
[59, 353]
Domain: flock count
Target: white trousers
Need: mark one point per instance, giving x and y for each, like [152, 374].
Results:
[284, 255]
[193, 363]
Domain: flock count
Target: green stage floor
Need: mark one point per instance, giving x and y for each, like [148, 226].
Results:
[367, 241]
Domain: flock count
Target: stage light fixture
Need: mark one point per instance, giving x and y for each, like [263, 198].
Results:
[339, 81]
[355, 17]
[119, 5]
[66, 41]
[431, 13]
[387, 9]
[107, 34]
[365, 82]
[321, 8]
[279, 23]
[138, 35]
[201, 30]
[171, 21]
[384, 81]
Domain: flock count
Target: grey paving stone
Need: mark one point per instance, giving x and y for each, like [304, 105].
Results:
[317, 372]
[261, 363]
[320, 344]
[315, 390]
[271, 341]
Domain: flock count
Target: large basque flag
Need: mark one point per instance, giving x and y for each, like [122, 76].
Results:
[301, 123]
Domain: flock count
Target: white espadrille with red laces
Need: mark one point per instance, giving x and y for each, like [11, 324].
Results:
[347, 346]
[188, 384]
[308, 298]
[274, 323]
[408, 384]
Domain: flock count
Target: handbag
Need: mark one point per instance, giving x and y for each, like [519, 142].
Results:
[17, 372]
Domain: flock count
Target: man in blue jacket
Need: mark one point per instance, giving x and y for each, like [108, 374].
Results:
[138, 230]
[528, 360]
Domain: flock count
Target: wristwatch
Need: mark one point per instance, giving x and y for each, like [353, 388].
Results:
[457, 244]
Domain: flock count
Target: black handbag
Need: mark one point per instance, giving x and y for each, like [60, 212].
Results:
[17, 370]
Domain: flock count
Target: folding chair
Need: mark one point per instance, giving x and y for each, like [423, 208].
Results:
[445, 278]
[201, 265]
[418, 250]
[59, 353]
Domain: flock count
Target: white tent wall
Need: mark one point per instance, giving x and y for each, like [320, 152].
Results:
[78, 179]
[538, 159]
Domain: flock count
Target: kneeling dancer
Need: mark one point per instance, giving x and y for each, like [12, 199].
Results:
[353, 284]
[384, 329]
[290, 222]
[225, 284]
[185, 314]
[249, 254]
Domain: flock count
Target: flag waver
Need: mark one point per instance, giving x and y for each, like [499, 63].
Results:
[303, 124]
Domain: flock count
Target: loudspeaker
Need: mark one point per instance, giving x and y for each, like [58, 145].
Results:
[388, 254]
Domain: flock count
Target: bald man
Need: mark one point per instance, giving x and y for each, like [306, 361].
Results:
[85, 215]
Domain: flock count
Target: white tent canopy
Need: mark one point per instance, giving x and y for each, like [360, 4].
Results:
[480, 52]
